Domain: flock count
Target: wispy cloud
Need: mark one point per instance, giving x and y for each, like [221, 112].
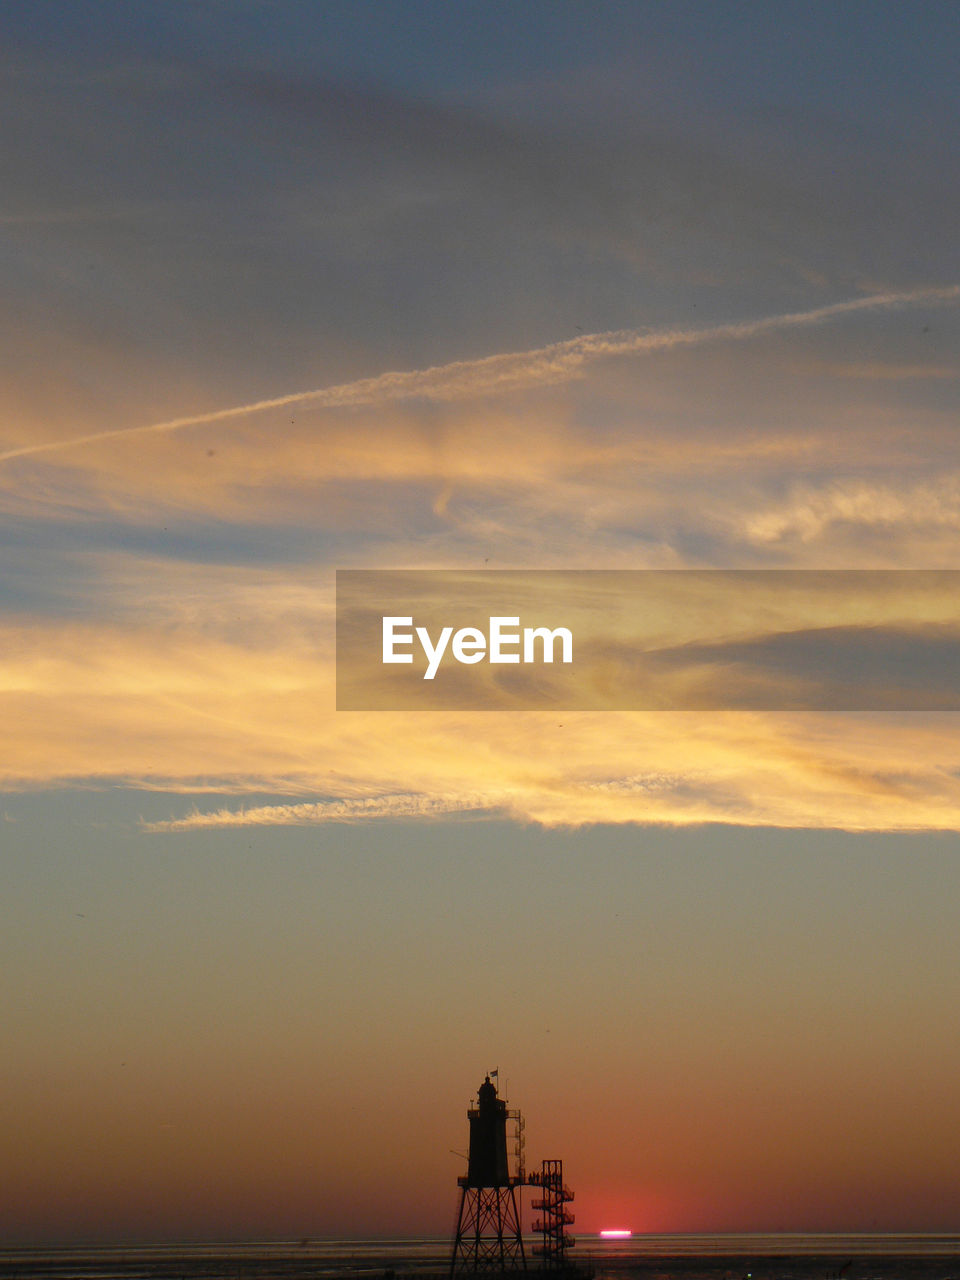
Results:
[508, 371]
[811, 511]
[173, 708]
[368, 809]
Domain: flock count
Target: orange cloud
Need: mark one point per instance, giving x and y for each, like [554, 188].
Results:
[168, 706]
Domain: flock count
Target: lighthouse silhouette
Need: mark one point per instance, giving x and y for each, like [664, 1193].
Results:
[488, 1234]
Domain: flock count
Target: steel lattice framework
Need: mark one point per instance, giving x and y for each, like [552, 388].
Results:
[488, 1236]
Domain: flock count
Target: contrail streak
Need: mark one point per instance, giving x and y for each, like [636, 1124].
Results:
[508, 371]
[403, 805]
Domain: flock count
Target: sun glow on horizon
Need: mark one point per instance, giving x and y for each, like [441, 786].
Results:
[616, 1233]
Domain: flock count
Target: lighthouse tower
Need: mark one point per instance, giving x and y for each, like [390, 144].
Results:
[488, 1223]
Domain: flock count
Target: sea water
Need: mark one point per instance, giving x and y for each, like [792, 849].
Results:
[659, 1257]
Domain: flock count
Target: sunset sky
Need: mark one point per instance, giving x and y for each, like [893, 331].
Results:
[293, 287]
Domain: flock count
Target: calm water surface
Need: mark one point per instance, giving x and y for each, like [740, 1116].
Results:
[686, 1257]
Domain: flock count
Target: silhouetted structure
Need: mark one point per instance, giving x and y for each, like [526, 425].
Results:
[555, 1215]
[488, 1236]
